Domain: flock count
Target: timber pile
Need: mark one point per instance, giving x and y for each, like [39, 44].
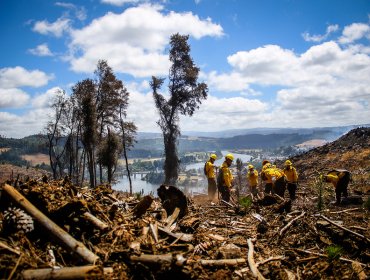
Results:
[104, 234]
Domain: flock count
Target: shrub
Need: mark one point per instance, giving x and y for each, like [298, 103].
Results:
[246, 202]
[334, 252]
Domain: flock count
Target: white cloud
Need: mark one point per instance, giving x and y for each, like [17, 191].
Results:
[13, 98]
[19, 126]
[354, 32]
[45, 100]
[19, 77]
[319, 38]
[132, 44]
[56, 28]
[123, 2]
[41, 50]
[80, 12]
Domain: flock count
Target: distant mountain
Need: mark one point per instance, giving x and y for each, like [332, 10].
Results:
[262, 138]
[330, 133]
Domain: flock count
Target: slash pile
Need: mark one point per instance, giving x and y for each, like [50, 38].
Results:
[104, 234]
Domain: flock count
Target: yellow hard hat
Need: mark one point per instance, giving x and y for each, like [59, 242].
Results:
[250, 166]
[230, 157]
[288, 162]
[213, 156]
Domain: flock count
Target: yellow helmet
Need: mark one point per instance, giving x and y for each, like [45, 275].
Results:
[213, 156]
[250, 166]
[288, 162]
[230, 157]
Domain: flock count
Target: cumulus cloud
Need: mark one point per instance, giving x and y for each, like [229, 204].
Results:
[13, 98]
[57, 28]
[122, 2]
[19, 77]
[322, 86]
[41, 50]
[45, 100]
[18, 126]
[319, 38]
[132, 44]
[354, 32]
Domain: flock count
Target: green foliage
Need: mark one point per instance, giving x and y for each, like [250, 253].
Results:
[367, 203]
[246, 202]
[334, 252]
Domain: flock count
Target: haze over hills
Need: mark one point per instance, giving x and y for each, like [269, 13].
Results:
[256, 138]
[330, 133]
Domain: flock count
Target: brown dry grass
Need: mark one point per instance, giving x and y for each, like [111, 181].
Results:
[36, 159]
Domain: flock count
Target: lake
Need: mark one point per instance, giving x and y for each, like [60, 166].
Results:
[139, 185]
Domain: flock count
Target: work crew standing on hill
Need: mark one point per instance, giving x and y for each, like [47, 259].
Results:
[292, 178]
[209, 170]
[340, 179]
[252, 179]
[225, 178]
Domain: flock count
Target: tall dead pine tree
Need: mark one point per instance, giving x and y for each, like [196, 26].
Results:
[186, 94]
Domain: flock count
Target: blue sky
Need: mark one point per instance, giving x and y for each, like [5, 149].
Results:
[268, 63]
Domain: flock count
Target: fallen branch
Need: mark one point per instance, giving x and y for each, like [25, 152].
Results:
[325, 256]
[158, 259]
[223, 262]
[4, 246]
[186, 237]
[66, 239]
[77, 272]
[270, 259]
[290, 223]
[345, 229]
[251, 262]
[95, 221]
[344, 211]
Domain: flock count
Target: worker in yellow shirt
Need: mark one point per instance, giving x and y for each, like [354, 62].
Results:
[267, 182]
[292, 178]
[252, 179]
[225, 178]
[340, 179]
[277, 178]
[209, 170]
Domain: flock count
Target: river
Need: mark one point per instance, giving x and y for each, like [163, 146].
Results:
[139, 185]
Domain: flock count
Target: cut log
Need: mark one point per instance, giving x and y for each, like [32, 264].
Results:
[144, 204]
[78, 272]
[159, 259]
[56, 231]
[95, 221]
